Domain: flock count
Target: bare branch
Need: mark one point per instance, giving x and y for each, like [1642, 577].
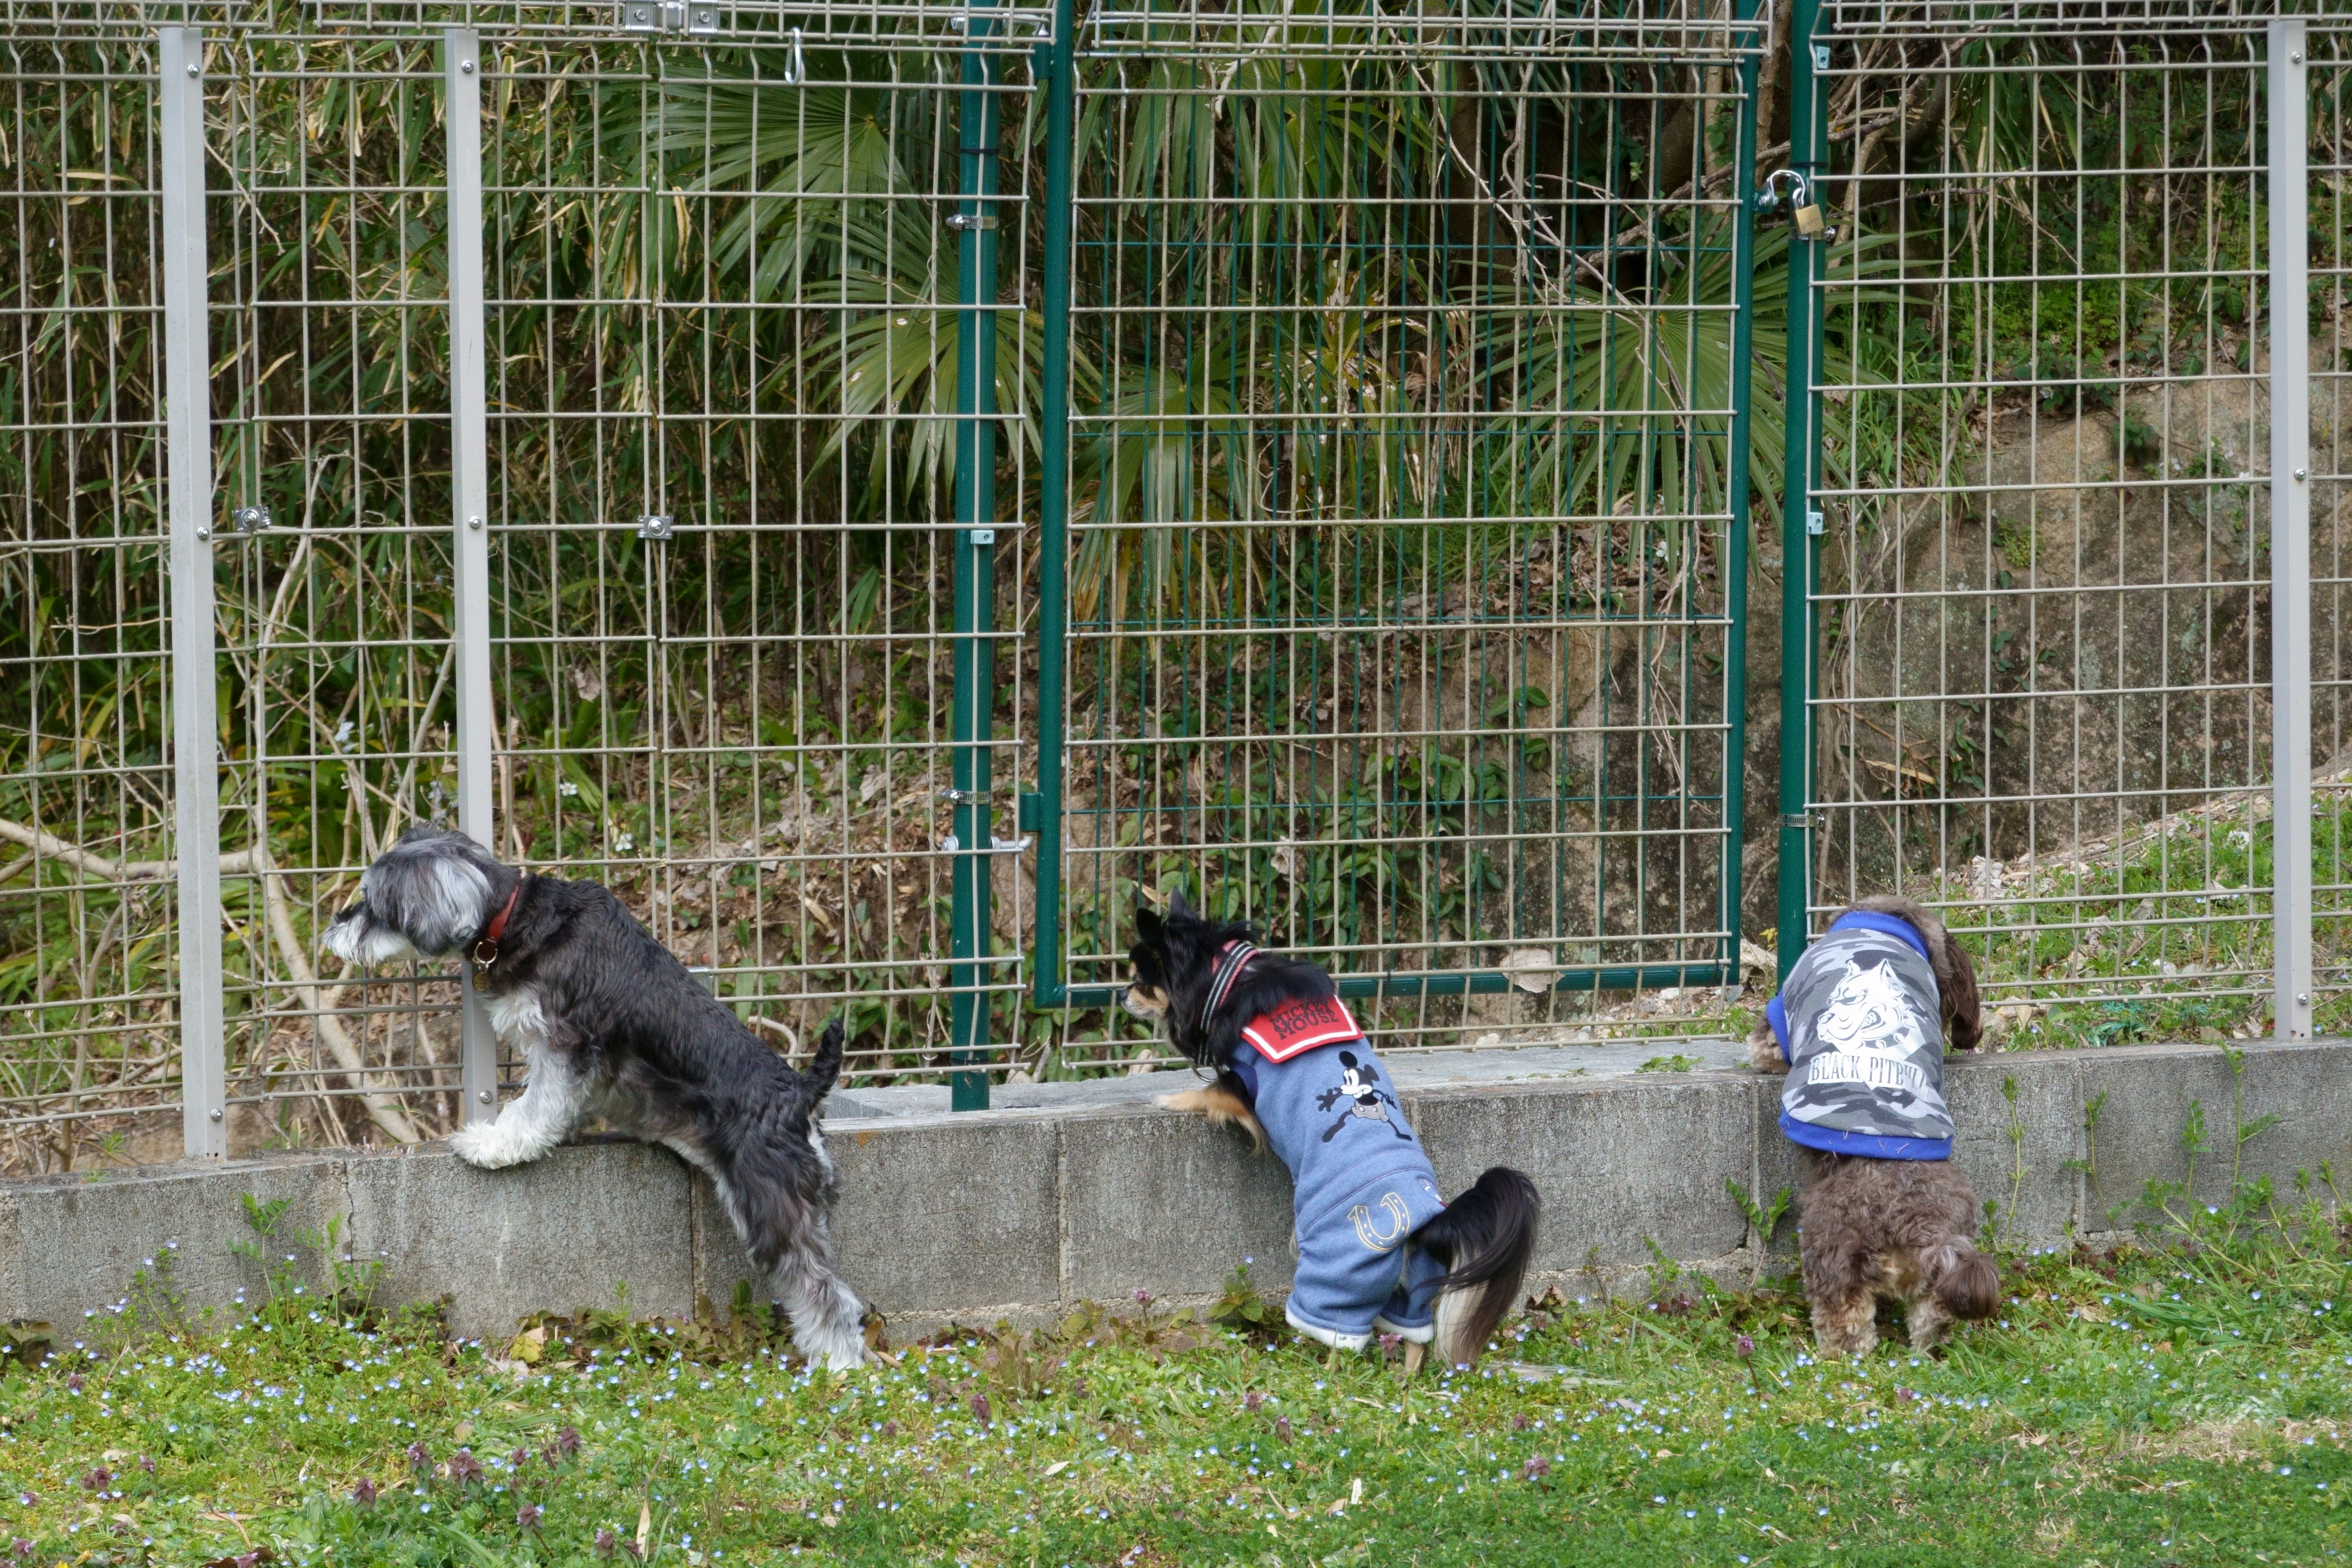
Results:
[49, 847]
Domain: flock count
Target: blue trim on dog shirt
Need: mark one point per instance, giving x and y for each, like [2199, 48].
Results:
[1778, 1017]
[1892, 925]
[1868, 1146]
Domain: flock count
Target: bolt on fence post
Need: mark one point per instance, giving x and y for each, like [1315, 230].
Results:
[1809, 128]
[187, 392]
[975, 574]
[1057, 62]
[2290, 279]
[469, 542]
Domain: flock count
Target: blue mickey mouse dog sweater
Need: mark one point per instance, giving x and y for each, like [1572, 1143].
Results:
[1362, 1185]
[1860, 1022]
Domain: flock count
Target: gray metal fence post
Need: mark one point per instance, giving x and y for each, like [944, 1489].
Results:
[2290, 277]
[195, 746]
[469, 447]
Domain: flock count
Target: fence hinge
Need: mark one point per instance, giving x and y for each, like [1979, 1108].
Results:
[670, 16]
[1029, 812]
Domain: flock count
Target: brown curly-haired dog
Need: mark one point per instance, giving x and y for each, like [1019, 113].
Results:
[1899, 1229]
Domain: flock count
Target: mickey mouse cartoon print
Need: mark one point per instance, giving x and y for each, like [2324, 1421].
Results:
[1360, 1086]
[1380, 1248]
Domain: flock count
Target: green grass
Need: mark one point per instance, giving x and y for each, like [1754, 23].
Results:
[2165, 933]
[2175, 1404]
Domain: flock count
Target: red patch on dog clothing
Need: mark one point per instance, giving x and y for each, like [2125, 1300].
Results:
[1296, 1027]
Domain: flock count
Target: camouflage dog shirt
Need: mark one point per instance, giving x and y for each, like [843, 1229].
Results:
[1860, 1022]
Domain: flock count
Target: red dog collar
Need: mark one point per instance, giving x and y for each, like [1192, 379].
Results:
[495, 929]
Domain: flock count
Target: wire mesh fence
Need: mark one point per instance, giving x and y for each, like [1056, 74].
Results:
[2044, 605]
[90, 1022]
[723, 320]
[1409, 565]
[2329, 196]
[1310, 455]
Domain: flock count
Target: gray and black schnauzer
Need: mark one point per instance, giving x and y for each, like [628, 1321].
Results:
[609, 1022]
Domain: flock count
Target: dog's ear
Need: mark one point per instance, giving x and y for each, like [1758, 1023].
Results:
[1179, 908]
[1146, 923]
[1963, 1012]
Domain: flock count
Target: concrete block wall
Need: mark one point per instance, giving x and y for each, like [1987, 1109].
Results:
[1023, 1213]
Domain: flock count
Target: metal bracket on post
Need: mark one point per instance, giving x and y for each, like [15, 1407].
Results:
[698, 16]
[469, 544]
[187, 413]
[2289, 280]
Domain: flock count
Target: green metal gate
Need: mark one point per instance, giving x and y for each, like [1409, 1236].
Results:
[1402, 524]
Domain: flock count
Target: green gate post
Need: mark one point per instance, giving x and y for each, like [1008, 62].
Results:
[1808, 132]
[1042, 811]
[975, 569]
[1736, 470]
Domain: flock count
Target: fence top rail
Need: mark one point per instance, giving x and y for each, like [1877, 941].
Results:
[31, 20]
[818, 25]
[802, 26]
[1656, 32]
[1996, 20]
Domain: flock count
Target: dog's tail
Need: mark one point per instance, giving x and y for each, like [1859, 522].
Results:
[1965, 1280]
[825, 1068]
[1484, 1238]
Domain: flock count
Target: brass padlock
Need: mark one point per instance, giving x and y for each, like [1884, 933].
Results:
[1810, 222]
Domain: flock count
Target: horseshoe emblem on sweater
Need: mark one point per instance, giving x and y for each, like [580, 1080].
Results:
[1361, 1217]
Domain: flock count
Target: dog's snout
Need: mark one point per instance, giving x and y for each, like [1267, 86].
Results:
[1143, 1002]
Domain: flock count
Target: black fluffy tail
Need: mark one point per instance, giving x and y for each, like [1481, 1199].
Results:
[1484, 1238]
[825, 1068]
